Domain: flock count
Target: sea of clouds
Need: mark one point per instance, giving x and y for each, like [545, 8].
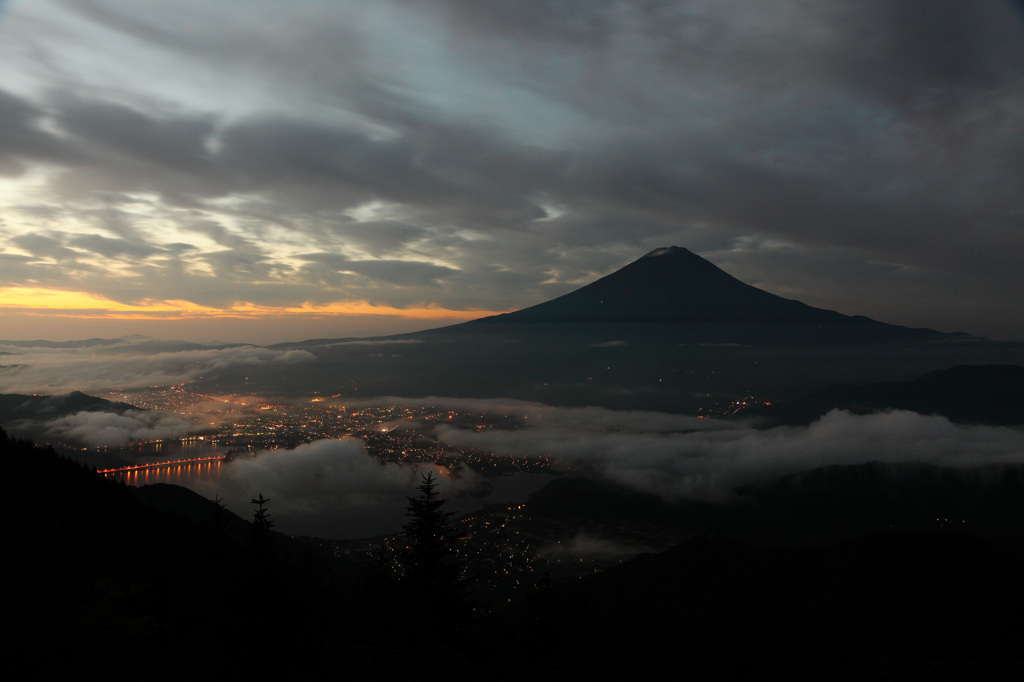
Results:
[333, 486]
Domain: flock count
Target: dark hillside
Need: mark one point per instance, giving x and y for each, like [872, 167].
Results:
[977, 394]
[821, 506]
[104, 583]
[100, 579]
[15, 407]
[930, 606]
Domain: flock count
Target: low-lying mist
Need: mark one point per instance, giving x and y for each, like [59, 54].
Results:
[124, 364]
[332, 487]
[717, 457]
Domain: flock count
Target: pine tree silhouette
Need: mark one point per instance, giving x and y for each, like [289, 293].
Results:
[261, 517]
[428, 558]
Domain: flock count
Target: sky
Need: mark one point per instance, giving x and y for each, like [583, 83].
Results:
[275, 170]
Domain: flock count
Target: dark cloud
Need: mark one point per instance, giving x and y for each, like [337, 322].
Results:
[43, 246]
[493, 154]
[175, 141]
[22, 139]
[927, 55]
[105, 246]
[401, 273]
[576, 21]
[381, 237]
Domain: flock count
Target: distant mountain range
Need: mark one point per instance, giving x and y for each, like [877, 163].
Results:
[138, 341]
[988, 394]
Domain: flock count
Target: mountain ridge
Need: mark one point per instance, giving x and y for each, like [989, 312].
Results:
[970, 394]
[670, 284]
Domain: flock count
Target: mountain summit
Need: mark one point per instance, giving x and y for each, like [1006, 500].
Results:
[669, 284]
[663, 333]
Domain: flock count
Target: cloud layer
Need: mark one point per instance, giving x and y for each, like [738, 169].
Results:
[334, 488]
[331, 488]
[100, 429]
[715, 462]
[125, 364]
[486, 155]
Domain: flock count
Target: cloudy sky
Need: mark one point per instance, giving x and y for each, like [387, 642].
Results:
[282, 169]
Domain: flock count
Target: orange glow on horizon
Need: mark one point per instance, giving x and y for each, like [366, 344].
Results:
[78, 304]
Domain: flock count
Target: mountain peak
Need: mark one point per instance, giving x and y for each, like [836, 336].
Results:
[668, 251]
[669, 284]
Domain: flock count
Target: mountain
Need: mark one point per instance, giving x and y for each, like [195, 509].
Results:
[674, 293]
[669, 331]
[33, 416]
[16, 407]
[669, 284]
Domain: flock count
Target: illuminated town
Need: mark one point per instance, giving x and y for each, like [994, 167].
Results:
[392, 433]
[514, 550]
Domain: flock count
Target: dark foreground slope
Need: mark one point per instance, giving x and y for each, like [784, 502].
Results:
[821, 506]
[903, 607]
[104, 584]
[99, 581]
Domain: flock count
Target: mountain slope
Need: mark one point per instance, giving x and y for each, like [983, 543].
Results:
[665, 332]
[15, 406]
[670, 285]
[985, 394]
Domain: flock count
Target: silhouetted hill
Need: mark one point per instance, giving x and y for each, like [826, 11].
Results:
[675, 296]
[859, 572]
[44, 343]
[911, 606]
[30, 416]
[989, 394]
[15, 407]
[669, 285]
[95, 575]
[665, 332]
[99, 579]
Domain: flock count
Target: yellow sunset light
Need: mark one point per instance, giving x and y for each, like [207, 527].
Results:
[42, 301]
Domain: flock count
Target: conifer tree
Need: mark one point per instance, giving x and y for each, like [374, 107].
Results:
[428, 558]
[261, 517]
